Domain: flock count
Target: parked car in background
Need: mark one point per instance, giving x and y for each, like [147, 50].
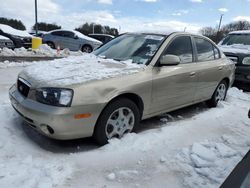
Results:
[240, 176]
[133, 77]
[236, 47]
[104, 38]
[71, 39]
[19, 38]
[6, 42]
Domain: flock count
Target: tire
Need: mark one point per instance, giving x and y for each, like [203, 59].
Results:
[118, 118]
[219, 94]
[51, 45]
[87, 49]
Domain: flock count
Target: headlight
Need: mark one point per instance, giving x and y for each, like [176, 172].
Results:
[246, 61]
[55, 96]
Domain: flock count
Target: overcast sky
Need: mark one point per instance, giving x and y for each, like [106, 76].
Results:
[129, 15]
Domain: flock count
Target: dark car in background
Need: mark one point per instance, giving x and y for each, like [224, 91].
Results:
[104, 38]
[19, 38]
[240, 176]
[236, 46]
[71, 39]
[6, 42]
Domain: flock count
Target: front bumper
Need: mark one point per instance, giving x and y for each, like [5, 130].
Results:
[60, 119]
[242, 74]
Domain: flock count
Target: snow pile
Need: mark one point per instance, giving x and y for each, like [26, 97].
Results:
[7, 64]
[22, 163]
[209, 163]
[75, 70]
[43, 51]
[236, 48]
[12, 31]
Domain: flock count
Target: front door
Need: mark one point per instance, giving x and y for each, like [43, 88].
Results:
[175, 86]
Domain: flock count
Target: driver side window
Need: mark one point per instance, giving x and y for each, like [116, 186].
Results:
[181, 47]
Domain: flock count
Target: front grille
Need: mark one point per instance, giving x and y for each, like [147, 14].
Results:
[27, 40]
[23, 87]
[233, 58]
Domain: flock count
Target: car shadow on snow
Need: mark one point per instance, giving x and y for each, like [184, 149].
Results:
[174, 116]
[59, 146]
[88, 144]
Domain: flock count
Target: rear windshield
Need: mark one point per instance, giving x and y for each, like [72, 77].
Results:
[237, 39]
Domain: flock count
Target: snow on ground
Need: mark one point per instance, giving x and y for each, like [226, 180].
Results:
[192, 147]
[43, 51]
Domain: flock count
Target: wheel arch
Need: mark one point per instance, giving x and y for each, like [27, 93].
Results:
[86, 44]
[131, 96]
[227, 80]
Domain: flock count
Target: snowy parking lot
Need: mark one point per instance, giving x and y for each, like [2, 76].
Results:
[192, 147]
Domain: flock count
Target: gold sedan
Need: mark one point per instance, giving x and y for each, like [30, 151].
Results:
[133, 77]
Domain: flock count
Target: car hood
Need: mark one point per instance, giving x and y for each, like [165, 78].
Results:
[235, 49]
[76, 70]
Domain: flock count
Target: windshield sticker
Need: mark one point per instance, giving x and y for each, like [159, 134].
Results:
[154, 37]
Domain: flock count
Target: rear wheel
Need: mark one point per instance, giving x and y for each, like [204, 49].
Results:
[87, 49]
[219, 94]
[118, 118]
[51, 45]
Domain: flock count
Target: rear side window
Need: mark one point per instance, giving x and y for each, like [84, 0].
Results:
[205, 50]
[68, 34]
[57, 33]
[181, 47]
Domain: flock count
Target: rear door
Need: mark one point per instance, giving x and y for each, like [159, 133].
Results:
[209, 68]
[175, 86]
[70, 41]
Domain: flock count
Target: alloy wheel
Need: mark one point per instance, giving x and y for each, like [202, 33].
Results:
[120, 122]
[221, 92]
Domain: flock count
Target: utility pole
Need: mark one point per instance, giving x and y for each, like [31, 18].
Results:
[36, 18]
[218, 32]
[93, 28]
[221, 16]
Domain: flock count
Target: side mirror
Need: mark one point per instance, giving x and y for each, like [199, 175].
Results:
[167, 60]
[76, 37]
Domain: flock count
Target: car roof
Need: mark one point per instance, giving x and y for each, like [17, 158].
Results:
[162, 33]
[240, 32]
[100, 34]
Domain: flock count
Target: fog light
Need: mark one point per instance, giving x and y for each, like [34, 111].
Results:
[248, 77]
[46, 129]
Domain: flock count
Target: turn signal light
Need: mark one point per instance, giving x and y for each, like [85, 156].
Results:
[81, 116]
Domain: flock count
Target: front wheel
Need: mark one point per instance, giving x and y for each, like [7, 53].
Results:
[87, 49]
[118, 118]
[219, 94]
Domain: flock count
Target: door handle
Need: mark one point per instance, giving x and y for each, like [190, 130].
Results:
[192, 74]
[220, 68]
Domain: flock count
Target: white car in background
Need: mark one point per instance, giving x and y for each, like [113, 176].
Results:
[71, 39]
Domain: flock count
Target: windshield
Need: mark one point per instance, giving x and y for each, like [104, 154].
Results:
[140, 48]
[237, 39]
